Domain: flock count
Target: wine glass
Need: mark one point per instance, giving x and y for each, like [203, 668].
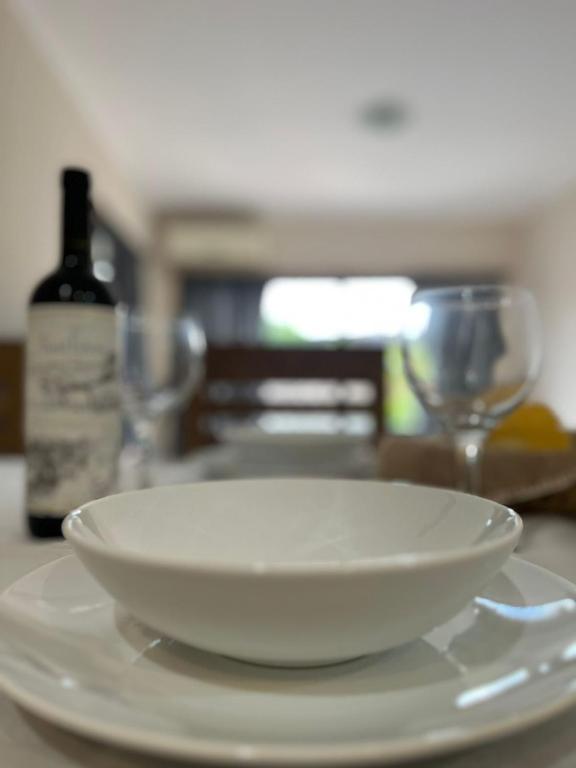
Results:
[471, 355]
[161, 366]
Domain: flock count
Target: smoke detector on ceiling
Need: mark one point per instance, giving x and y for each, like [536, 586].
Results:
[385, 115]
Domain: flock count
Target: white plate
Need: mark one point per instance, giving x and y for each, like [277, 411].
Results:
[228, 462]
[257, 452]
[505, 663]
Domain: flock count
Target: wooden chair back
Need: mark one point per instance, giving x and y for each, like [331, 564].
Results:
[233, 374]
[11, 397]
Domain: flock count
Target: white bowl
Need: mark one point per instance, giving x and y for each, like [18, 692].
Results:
[293, 572]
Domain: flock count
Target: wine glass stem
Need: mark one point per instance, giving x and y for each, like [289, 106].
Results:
[469, 448]
[144, 431]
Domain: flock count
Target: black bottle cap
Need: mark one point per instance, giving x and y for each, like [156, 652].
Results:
[76, 179]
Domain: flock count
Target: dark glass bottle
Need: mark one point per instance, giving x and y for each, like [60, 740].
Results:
[72, 423]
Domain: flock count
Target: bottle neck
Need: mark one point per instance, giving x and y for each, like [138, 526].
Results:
[75, 254]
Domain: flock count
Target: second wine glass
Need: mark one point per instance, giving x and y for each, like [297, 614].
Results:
[162, 365]
[471, 355]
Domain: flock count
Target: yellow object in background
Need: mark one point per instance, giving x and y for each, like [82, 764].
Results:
[532, 427]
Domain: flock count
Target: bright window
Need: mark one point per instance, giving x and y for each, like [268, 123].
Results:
[329, 309]
[350, 310]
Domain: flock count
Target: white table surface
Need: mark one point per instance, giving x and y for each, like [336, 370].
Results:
[27, 742]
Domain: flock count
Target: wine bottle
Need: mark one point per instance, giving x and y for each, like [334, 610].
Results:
[72, 414]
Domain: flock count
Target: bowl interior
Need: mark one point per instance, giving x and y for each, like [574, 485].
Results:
[291, 521]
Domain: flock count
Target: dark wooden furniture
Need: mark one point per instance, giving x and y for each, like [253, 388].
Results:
[234, 373]
[11, 397]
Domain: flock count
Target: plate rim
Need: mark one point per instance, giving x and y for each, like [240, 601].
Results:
[214, 751]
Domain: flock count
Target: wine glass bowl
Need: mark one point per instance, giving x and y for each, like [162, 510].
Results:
[162, 362]
[471, 355]
[161, 366]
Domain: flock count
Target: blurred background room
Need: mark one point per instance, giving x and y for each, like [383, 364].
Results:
[319, 244]
[290, 173]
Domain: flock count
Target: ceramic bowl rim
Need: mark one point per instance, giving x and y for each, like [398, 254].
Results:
[76, 532]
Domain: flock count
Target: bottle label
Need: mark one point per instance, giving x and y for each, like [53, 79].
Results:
[73, 421]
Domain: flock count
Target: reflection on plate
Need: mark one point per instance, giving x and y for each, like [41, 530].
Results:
[503, 664]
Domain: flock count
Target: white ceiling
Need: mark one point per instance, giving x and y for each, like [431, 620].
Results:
[257, 100]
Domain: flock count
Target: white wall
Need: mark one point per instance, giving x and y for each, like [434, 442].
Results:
[549, 270]
[345, 243]
[40, 131]
[366, 244]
